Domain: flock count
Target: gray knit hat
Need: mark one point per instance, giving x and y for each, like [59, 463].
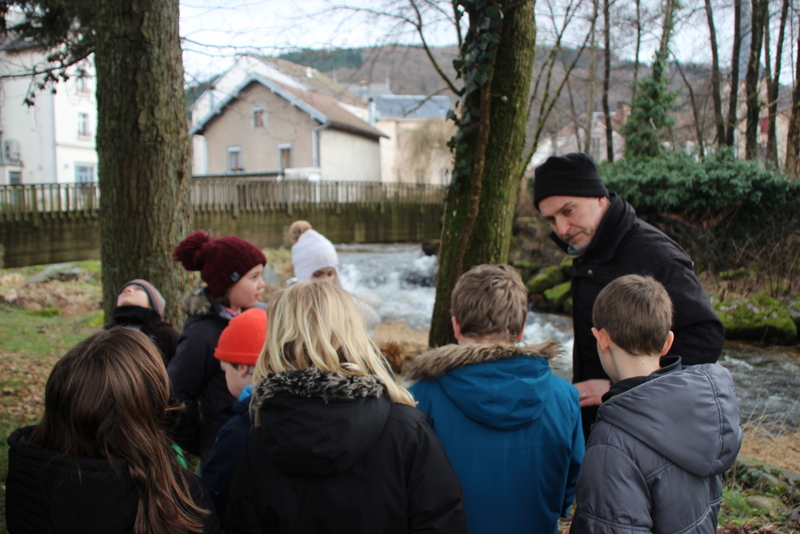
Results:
[572, 175]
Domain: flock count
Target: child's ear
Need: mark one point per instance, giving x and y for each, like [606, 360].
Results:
[519, 337]
[668, 343]
[603, 339]
[457, 330]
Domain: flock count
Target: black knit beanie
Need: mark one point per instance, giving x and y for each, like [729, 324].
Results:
[573, 175]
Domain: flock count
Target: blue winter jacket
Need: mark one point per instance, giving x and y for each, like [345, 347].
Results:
[511, 431]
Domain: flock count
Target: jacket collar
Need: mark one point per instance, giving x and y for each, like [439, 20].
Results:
[433, 364]
[202, 303]
[315, 383]
[619, 218]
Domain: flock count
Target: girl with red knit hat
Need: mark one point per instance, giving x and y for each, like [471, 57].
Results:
[231, 268]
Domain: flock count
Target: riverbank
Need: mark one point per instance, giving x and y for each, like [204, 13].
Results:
[45, 311]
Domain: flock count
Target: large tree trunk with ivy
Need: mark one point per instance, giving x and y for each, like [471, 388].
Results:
[143, 146]
[495, 63]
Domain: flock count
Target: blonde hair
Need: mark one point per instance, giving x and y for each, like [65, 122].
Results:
[315, 324]
[636, 311]
[297, 228]
[490, 300]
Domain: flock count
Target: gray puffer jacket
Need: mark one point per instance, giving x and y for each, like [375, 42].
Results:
[656, 455]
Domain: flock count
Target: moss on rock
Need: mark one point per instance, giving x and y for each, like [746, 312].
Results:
[547, 278]
[757, 318]
[558, 296]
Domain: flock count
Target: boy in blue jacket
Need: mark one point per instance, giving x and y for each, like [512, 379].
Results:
[511, 429]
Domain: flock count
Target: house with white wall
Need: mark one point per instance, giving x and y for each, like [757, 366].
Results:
[269, 117]
[52, 141]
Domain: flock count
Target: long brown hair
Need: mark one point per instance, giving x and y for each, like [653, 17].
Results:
[107, 398]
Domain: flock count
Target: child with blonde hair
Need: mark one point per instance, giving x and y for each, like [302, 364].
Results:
[337, 446]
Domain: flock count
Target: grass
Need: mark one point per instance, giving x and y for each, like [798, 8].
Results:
[29, 347]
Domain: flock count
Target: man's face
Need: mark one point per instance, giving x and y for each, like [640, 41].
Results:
[574, 219]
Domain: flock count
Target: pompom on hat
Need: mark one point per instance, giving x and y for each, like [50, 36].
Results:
[312, 252]
[222, 262]
[572, 175]
[243, 339]
[157, 300]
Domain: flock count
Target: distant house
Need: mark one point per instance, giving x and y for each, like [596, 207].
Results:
[415, 149]
[572, 138]
[269, 117]
[52, 141]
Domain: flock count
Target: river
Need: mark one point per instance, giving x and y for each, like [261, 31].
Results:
[767, 378]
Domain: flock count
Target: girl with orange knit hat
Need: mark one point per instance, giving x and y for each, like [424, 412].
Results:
[231, 268]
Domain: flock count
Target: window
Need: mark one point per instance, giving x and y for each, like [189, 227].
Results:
[235, 159]
[596, 145]
[84, 173]
[82, 84]
[285, 156]
[14, 177]
[259, 117]
[83, 125]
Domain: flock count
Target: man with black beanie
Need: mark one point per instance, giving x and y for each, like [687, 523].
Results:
[606, 240]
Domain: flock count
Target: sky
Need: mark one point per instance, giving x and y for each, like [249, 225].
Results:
[214, 31]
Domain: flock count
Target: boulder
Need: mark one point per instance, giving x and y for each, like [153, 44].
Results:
[794, 313]
[759, 317]
[566, 267]
[767, 504]
[431, 248]
[559, 297]
[525, 268]
[547, 278]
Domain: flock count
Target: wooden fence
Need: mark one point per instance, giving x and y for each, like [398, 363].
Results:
[213, 195]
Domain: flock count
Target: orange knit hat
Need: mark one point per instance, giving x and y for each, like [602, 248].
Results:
[243, 338]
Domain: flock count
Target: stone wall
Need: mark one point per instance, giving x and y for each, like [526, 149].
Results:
[45, 238]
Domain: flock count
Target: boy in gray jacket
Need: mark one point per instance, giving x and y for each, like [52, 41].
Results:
[664, 434]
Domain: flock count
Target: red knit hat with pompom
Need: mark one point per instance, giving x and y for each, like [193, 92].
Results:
[222, 262]
[243, 338]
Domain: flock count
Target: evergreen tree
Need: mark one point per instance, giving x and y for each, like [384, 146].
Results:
[648, 124]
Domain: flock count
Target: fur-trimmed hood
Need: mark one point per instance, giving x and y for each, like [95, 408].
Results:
[198, 303]
[436, 362]
[314, 383]
[501, 386]
[316, 422]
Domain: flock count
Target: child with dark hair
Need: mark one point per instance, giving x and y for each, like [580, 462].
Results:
[664, 433]
[511, 429]
[141, 306]
[231, 268]
[100, 461]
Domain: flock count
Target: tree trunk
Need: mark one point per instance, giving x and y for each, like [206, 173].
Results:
[793, 136]
[716, 81]
[730, 133]
[607, 81]
[752, 76]
[482, 196]
[587, 147]
[773, 87]
[143, 147]
[698, 119]
[636, 62]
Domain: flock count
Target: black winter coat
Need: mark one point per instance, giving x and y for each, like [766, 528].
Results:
[333, 454]
[196, 377]
[625, 244]
[49, 493]
[150, 323]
